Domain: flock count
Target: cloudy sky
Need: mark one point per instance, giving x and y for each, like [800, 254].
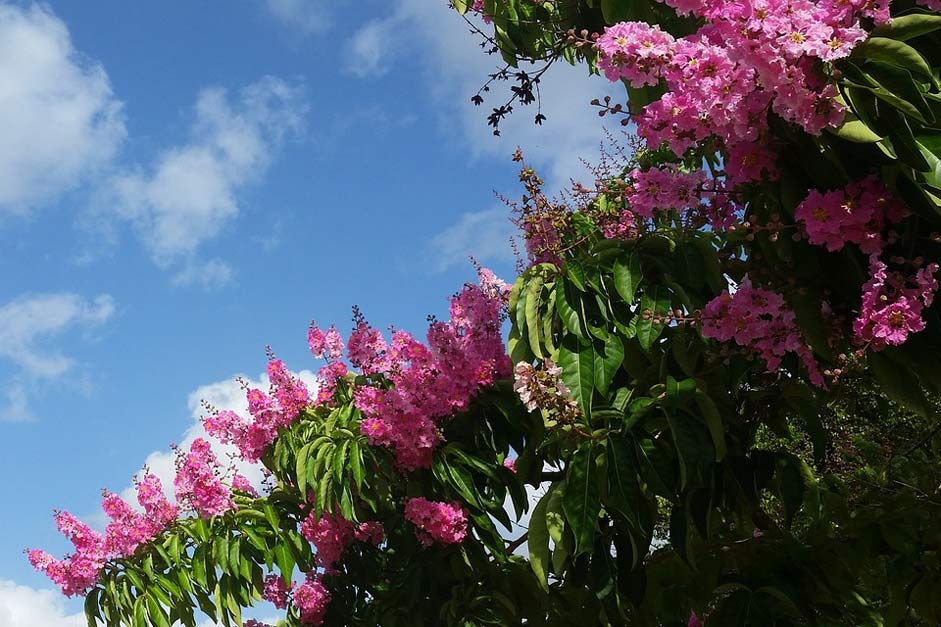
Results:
[183, 183]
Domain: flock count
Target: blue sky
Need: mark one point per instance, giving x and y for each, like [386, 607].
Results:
[182, 183]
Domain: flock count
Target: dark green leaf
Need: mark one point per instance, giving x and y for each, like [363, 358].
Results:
[713, 420]
[627, 276]
[898, 383]
[538, 542]
[905, 27]
[894, 52]
[654, 305]
[577, 360]
[581, 499]
[608, 360]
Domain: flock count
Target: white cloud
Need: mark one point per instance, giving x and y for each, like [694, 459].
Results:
[26, 326]
[26, 321]
[211, 274]
[456, 67]
[484, 235]
[61, 121]
[372, 46]
[17, 408]
[189, 195]
[22, 606]
[305, 16]
[222, 395]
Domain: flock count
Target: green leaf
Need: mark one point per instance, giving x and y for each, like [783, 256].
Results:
[577, 360]
[627, 276]
[538, 542]
[679, 393]
[301, 469]
[656, 301]
[607, 362]
[692, 447]
[898, 383]
[894, 52]
[565, 303]
[356, 463]
[624, 491]
[855, 130]
[284, 558]
[533, 305]
[555, 520]
[581, 499]
[905, 27]
[710, 414]
[679, 532]
[659, 474]
[790, 487]
[615, 11]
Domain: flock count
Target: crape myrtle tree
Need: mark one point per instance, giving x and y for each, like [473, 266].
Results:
[718, 403]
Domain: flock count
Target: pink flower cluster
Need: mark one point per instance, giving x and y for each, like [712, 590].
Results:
[311, 599]
[76, 573]
[693, 194]
[478, 8]
[128, 529]
[427, 382]
[437, 522]
[892, 304]
[198, 483]
[327, 343]
[749, 57]
[278, 409]
[331, 534]
[760, 320]
[242, 484]
[634, 51]
[856, 214]
[664, 189]
[276, 591]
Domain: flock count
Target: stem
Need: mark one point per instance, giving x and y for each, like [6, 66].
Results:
[515, 544]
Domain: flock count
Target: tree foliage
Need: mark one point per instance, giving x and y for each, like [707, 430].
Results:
[663, 474]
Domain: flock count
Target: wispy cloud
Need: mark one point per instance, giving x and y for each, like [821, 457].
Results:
[484, 235]
[189, 195]
[57, 104]
[307, 17]
[28, 326]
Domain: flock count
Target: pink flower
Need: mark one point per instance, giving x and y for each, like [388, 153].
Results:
[276, 591]
[437, 522]
[892, 304]
[433, 381]
[331, 534]
[77, 573]
[635, 51]
[312, 599]
[760, 320]
[371, 532]
[856, 214]
[325, 343]
[198, 484]
[242, 484]
[510, 464]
